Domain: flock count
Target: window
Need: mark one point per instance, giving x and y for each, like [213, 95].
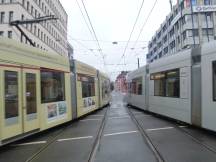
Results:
[32, 10]
[207, 2]
[88, 85]
[105, 89]
[214, 81]
[137, 86]
[22, 17]
[1, 33]
[35, 13]
[172, 83]
[165, 50]
[166, 84]
[27, 7]
[159, 84]
[11, 94]
[165, 39]
[207, 32]
[184, 35]
[52, 86]
[11, 13]
[31, 96]
[2, 20]
[10, 34]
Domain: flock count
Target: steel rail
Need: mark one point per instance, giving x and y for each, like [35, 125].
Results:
[146, 137]
[98, 138]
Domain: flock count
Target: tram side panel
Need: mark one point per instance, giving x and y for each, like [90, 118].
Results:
[104, 92]
[170, 87]
[73, 89]
[208, 63]
[138, 83]
[58, 110]
[87, 89]
[33, 93]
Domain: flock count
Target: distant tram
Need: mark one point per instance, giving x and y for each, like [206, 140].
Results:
[181, 86]
[40, 90]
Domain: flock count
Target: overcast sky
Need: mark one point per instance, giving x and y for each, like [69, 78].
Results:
[113, 21]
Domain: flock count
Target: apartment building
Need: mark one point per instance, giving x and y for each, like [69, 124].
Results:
[49, 36]
[190, 24]
[120, 83]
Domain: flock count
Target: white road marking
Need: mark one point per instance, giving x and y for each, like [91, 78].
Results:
[84, 120]
[97, 115]
[156, 129]
[183, 126]
[119, 114]
[30, 143]
[76, 138]
[137, 115]
[120, 133]
[120, 117]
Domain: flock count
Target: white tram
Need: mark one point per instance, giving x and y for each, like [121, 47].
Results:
[181, 86]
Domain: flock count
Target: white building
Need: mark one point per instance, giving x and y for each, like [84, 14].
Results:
[189, 24]
[50, 35]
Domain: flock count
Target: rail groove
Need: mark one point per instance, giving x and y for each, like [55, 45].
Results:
[51, 141]
[146, 137]
[98, 138]
[54, 139]
[197, 140]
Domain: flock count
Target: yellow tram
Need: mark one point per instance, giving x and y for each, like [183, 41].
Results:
[36, 91]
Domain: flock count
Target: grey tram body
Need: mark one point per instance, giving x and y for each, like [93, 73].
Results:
[196, 103]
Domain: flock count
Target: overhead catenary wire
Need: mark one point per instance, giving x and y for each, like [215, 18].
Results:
[85, 47]
[144, 24]
[105, 41]
[123, 55]
[103, 56]
[85, 19]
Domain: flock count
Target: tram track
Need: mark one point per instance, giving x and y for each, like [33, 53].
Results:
[54, 139]
[177, 126]
[145, 136]
[51, 141]
[195, 139]
[99, 135]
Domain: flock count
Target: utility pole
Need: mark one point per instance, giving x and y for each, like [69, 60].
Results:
[138, 63]
[171, 5]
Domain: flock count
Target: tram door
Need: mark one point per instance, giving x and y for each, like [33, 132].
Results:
[30, 81]
[11, 105]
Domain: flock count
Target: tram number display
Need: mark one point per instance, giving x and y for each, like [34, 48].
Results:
[56, 111]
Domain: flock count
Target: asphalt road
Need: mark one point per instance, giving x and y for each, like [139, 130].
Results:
[121, 140]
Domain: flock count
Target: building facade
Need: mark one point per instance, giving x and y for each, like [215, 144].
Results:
[190, 24]
[50, 35]
[120, 83]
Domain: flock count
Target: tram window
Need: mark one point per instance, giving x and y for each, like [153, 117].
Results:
[159, 84]
[137, 86]
[214, 81]
[139, 89]
[52, 86]
[11, 94]
[31, 93]
[172, 83]
[166, 84]
[133, 90]
[88, 85]
[105, 89]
